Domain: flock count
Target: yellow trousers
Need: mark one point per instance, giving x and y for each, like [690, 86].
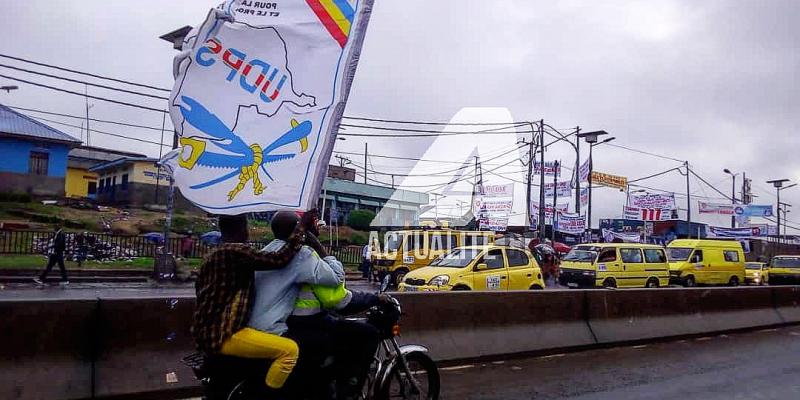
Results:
[252, 343]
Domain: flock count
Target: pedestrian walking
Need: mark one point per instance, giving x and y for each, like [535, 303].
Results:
[187, 243]
[56, 255]
[366, 262]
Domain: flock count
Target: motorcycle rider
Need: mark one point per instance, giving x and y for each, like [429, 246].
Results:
[320, 331]
[224, 290]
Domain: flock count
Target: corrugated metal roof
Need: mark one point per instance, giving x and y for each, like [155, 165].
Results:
[14, 123]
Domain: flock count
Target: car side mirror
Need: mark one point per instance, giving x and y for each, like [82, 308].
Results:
[481, 267]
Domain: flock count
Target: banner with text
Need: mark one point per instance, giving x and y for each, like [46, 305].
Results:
[715, 208]
[657, 200]
[753, 210]
[259, 92]
[506, 190]
[562, 191]
[583, 171]
[550, 168]
[612, 181]
[739, 233]
[572, 224]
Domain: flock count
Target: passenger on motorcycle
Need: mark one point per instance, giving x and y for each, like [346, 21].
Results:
[320, 331]
[276, 291]
[225, 289]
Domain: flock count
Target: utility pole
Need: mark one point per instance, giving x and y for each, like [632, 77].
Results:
[688, 202]
[541, 181]
[577, 170]
[365, 162]
[555, 198]
[531, 154]
[86, 90]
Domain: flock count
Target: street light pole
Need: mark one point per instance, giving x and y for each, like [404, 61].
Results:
[591, 138]
[541, 181]
[577, 171]
[778, 184]
[733, 194]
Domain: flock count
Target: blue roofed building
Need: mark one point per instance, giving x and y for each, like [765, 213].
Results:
[33, 156]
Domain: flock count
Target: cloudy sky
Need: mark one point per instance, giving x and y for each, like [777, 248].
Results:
[711, 82]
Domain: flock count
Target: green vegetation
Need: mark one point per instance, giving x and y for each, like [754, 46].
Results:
[360, 219]
[39, 262]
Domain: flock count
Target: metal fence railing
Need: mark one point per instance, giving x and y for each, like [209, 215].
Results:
[102, 246]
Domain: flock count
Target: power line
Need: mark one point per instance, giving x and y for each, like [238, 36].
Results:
[391, 121]
[103, 132]
[644, 152]
[84, 95]
[653, 176]
[84, 82]
[84, 73]
[105, 121]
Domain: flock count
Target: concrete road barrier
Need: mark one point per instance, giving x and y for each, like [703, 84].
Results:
[46, 349]
[460, 325]
[786, 300]
[132, 348]
[134, 333]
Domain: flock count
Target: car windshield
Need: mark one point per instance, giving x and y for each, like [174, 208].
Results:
[457, 258]
[393, 241]
[752, 265]
[786, 262]
[678, 254]
[581, 254]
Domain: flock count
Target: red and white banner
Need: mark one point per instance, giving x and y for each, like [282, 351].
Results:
[648, 214]
[550, 168]
[548, 209]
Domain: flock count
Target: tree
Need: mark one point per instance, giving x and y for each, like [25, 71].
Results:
[360, 219]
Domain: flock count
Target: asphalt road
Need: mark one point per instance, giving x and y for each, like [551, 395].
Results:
[754, 365]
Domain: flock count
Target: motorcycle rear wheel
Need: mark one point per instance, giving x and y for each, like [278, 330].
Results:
[423, 369]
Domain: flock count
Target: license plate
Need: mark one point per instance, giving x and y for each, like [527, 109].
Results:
[572, 284]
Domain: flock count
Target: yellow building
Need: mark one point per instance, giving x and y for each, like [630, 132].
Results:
[82, 183]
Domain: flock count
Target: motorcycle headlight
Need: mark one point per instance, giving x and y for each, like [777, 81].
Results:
[439, 280]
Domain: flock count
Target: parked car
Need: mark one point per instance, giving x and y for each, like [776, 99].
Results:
[613, 265]
[486, 267]
[706, 262]
[756, 273]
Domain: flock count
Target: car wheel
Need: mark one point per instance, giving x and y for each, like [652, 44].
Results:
[690, 282]
[652, 283]
[398, 276]
[734, 281]
[610, 283]
[536, 287]
[460, 288]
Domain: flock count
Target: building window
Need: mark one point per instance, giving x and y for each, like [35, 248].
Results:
[92, 189]
[124, 185]
[102, 185]
[38, 163]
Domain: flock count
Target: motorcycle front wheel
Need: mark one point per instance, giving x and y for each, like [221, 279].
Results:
[423, 371]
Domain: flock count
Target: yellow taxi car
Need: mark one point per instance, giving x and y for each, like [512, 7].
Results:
[408, 250]
[612, 265]
[756, 273]
[486, 267]
[784, 269]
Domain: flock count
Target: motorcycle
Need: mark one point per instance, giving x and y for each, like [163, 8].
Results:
[405, 372]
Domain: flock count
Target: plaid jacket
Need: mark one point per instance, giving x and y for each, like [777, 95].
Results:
[225, 289]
